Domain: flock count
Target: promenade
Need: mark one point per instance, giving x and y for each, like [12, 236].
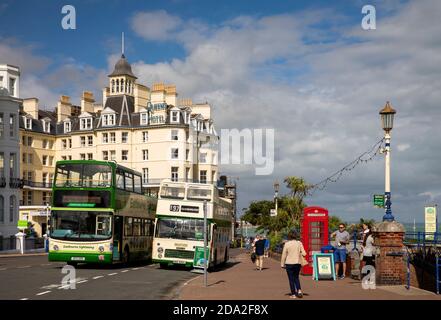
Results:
[240, 281]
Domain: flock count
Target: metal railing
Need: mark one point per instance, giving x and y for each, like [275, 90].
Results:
[12, 243]
[34, 184]
[2, 182]
[15, 183]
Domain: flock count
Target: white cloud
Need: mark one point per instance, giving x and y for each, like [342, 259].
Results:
[322, 97]
[155, 25]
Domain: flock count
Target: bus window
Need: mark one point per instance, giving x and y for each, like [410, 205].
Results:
[120, 179]
[129, 181]
[103, 225]
[83, 175]
[198, 193]
[128, 227]
[174, 192]
[138, 183]
[136, 227]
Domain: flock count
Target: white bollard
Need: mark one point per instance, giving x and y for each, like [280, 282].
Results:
[20, 238]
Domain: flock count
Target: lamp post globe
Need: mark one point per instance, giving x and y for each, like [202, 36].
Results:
[276, 191]
[387, 120]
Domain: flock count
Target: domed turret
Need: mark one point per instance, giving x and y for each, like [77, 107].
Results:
[122, 68]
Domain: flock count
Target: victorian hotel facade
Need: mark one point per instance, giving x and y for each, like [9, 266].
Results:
[145, 129]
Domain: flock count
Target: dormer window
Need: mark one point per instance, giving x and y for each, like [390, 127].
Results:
[108, 120]
[175, 116]
[28, 123]
[46, 126]
[85, 123]
[144, 118]
[67, 126]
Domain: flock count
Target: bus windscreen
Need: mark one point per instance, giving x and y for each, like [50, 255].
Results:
[83, 175]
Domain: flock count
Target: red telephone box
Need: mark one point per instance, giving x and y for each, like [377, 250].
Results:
[314, 233]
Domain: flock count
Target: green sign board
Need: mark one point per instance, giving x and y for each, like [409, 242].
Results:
[81, 205]
[379, 200]
[22, 224]
[198, 261]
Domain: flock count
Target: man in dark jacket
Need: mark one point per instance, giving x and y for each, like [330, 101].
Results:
[259, 249]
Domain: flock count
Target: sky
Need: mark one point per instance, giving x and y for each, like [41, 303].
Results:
[306, 69]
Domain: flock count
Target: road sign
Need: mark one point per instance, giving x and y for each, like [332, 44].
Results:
[273, 212]
[379, 200]
[22, 224]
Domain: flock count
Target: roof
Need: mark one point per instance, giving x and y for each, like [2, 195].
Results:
[122, 68]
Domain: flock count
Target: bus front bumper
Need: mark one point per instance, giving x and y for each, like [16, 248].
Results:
[188, 264]
[80, 257]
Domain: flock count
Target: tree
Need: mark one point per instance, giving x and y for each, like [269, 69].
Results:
[294, 202]
[334, 222]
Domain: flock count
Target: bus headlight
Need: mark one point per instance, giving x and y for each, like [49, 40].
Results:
[160, 250]
[56, 248]
[101, 248]
[159, 255]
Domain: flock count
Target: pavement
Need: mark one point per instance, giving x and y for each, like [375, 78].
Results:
[240, 281]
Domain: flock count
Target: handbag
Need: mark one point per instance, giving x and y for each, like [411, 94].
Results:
[253, 257]
[303, 261]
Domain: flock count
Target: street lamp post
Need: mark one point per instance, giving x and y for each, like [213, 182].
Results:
[276, 191]
[387, 119]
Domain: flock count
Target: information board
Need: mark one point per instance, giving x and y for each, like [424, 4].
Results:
[430, 219]
[323, 266]
[198, 261]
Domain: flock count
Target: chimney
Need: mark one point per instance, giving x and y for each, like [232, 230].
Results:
[171, 96]
[87, 101]
[30, 106]
[142, 97]
[106, 93]
[63, 108]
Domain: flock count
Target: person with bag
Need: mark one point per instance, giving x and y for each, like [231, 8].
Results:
[293, 258]
[259, 250]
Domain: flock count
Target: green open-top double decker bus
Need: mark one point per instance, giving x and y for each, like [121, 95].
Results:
[99, 214]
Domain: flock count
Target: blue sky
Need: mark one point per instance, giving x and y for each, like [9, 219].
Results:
[304, 68]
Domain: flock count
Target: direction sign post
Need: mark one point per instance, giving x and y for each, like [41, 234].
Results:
[379, 200]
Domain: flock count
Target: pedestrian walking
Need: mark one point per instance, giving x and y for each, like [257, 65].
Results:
[367, 249]
[292, 260]
[267, 246]
[341, 240]
[259, 250]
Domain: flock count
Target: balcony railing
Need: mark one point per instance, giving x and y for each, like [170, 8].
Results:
[150, 182]
[15, 183]
[2, 182]
[34, 184]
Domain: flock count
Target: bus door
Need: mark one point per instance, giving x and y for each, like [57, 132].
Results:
[118, 238]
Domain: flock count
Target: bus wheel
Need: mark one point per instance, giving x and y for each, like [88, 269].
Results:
[126, 256]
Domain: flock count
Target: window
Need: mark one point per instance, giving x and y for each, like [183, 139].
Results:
[64, 143]
[105, 138]
[187, 154]
[30, 158]
[11, 125]
[30, 176]
[1, 125]
[70, 143]
[213, 176]
[45, 162]
[124, 155]
[90, 156]
[46, 197]
[63, 157]
[12, 210]
[50, 144]
[51, 160]
[112, 155]
[203, 157]
[145, 154]
[83, 141]
[12, 164]
[82, 156]
[2, 209]
[174, 134]
[124, 137]
[70, 157]
[85, 123]
[175, 153]
[90, 141]
[30, 141]
[175, 116]
[44, 177]
[203, 176]
[29, 198]
[28, 123]
[12, 86]
[187, 174]
[46, 126]
[144, 118]
[129, 181]
[105, 155]
[145, 136]
[45, 144]
[112, 137]
[108, 120]
[145, 175]
[174, 173]
[67, 126]
[2, 165]
[128, 226]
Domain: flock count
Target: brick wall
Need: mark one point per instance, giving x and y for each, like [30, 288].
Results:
[390, 265]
